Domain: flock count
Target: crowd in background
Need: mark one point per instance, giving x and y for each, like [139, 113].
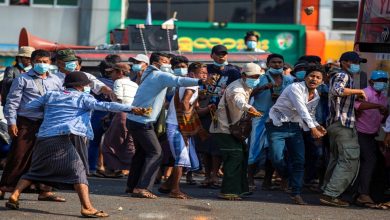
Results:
[158, 118]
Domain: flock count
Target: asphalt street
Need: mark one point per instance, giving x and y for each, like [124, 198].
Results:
[108, 195]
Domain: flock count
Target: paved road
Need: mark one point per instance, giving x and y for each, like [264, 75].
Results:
[107, 194]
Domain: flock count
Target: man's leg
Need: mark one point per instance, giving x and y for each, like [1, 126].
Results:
[86, 205]
[347, 163]
[333, 153]
[277, 145]
[296, 153]
[368, 160]
[22, 184]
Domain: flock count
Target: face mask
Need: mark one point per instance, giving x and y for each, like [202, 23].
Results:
[354, 68]
[251, 44]
[251, 83]
[380, 86]
[87, 89]
[70, 66]
[300, 74]
[220, 64]
[166, 68]
[275, 71]
[41, 68]
[26, 68]
[180, 71]
[136, 68]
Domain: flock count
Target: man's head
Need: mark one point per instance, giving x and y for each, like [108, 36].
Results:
[161, 61]
[40, 60]
[251, 39]
[118, 70]
[76, 80]
[350, 62]
[300, 69]
[311, 59]
[140, 63]
[314, 76]
[79, 62]
[180, 65]
[66, 61]
[198, 70]
[379, 80]
[219, 55]
[250, 74]
[275, 63]
[23, 58]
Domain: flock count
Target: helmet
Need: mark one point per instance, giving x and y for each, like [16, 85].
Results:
[379, 74]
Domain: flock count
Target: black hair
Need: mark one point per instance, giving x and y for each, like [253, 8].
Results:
[250, 34]
[311, 59]
[113, 58]
[311, 68]
[40, 53]
[274, 55]
[287, 66]
[155, 57]
[103, 65]
[79, 60]
[196, 65]
[179, 59]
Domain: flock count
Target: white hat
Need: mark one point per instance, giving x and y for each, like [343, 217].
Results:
[25, 51]
[251, 69]
[140, 57]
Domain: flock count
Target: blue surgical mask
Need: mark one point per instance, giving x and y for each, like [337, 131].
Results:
[300, 74]
[87, 89]
[220, 64]
[354, 68]
[41, 68]
[166, 68]
[380, 86]
[136, 68]
[180, 71]
[70, 66]
[275, 71]
[251, 44]
[251, 83]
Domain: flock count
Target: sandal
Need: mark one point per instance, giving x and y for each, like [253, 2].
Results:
[52, 198]
[179, 196]
[144, 194]
[252, 188]
[12, 204]
[230, 197]
[370, 205]
[97, 214]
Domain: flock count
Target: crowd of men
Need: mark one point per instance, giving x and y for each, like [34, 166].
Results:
[308, 126]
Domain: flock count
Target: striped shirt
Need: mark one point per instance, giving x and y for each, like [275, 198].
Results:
[341, 108]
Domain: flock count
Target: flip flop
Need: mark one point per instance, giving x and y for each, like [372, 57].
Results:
[52, 198]
[370, 205]
[179, 196]
[230, 197]
[12, 204]
[97, 214]
[144, 194]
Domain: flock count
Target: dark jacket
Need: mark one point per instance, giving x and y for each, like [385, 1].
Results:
[10, 74]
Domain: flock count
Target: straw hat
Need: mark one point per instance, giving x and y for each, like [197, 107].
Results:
[25, 51]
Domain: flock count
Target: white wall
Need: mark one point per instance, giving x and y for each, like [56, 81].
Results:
[99, 22]
[54, 24]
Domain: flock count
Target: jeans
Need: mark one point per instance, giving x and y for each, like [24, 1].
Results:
[93, 150]
[147, 158]
[288, 137]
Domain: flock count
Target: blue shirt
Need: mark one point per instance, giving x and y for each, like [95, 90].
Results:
[263, 100]
[23, 90]
[227, 75]
[151, 92]
[69, 112]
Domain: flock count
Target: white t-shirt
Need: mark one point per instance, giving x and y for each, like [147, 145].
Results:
[125, 90]
[171, 118]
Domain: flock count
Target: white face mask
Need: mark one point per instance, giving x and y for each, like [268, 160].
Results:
[166, 68]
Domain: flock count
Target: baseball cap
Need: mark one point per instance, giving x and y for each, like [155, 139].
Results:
[379, 74]
[219, 49]
[352, 56]
[119, 66]
[25, 51]
[66, 55]
[140, 57]
[251, 69]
